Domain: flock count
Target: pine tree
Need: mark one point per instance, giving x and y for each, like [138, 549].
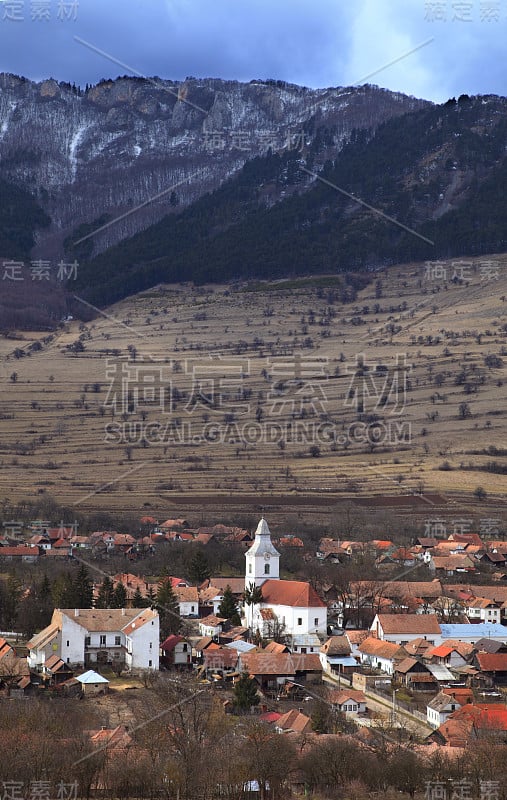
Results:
[198, 569]
[138, 601]
[105, 596]
[228, 608]
[168, 609]
[64, 592]
[151, 598]
[119, 598]
[245, 693]
[11, 601]
[35, 609]
[83, 589]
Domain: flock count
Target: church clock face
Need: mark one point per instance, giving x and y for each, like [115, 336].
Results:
[266, 556]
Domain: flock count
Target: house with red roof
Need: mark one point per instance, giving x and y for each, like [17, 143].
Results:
[348, 701]
[402, 628]
[444, 704]
[292, 606]
[22, 552]
[90, 636]
[482, 609]
[493, 666]
[293, 721]
[447, 654]
[472, 722]
[175, 651]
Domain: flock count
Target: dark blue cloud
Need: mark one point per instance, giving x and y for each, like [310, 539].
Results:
[321, 43]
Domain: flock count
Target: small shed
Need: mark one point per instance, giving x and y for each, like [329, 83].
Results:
[92, 683]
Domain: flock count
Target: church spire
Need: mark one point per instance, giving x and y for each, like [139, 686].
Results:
[262, 559]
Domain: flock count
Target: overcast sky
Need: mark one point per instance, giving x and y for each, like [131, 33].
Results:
[312, 42]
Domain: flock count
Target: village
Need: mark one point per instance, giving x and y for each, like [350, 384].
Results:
[333, 658]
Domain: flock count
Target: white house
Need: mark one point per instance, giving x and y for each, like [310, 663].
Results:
[188, 600]
[335, 656]
[380, 655]
[440, 708]
[481, 609]
[292, 606]
[449, 655]
[211, 625]
[348, 701]
[86, 636]
[402, 628]
[176, 651]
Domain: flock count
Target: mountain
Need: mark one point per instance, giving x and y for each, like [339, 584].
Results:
[89, 156]
[148, 180]
[437, 175]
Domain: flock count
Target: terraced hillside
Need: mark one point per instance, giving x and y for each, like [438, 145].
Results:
[235, 395]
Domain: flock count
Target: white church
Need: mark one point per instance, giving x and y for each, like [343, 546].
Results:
[291, 607]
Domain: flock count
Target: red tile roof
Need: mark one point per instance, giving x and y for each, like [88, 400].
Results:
[276, 647]
[291, 541]
[262, 663]
[492, 662]
[170, 643]
[297, 594]
[338, 697]
[20, 550]
[212, 621]
[146, 616]
[222, 658]
[295, 721]
[442, 651]
[483, 716]
[409, 623]
[381, 649]
[270, 716]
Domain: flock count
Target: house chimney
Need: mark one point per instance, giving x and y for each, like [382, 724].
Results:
[76, 612]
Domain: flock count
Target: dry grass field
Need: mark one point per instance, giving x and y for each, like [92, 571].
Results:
[184, 398]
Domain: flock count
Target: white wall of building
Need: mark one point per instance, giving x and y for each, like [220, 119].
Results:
[143, 646]
[296, 620]
[72, 640]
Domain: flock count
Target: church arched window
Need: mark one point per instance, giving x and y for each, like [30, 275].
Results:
[266, 569]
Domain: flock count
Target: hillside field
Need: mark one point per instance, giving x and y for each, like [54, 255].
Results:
[184, 398]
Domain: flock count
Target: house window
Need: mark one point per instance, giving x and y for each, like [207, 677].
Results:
[68, 643]
[151, 645]
[249, 569]
[192, 609]
[102, 639]
[300, 620]
[316, 621]
[88, 640]
[266, 569]
[149, 663]
[184, 648]
[117, 640]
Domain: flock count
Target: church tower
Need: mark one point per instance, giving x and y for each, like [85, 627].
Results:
[262, 559]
